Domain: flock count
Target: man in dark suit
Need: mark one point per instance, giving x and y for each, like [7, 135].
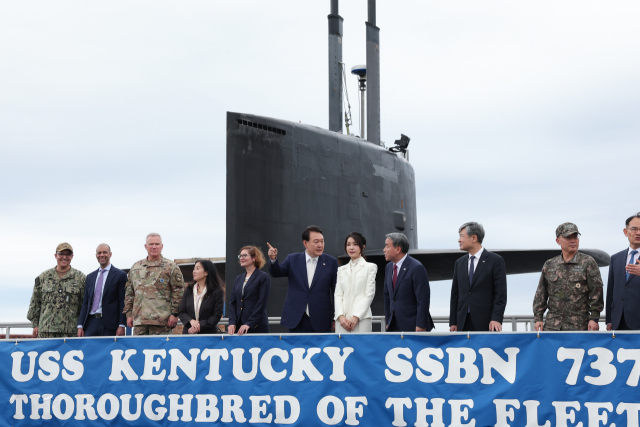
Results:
[406, 288]
[479, 288]
[623, 286]
[312, 282]
[101, 313]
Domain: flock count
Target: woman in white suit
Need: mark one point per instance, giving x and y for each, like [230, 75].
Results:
[355, 288]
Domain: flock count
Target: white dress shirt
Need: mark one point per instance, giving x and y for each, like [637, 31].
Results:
[475, 261]
[312, 263]
[399, 263]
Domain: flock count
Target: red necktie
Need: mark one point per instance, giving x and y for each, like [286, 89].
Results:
[395, 276]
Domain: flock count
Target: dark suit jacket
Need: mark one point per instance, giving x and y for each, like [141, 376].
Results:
[112, 298]
[622, 294]
[410, 300]
[319, 296]
[210, 310]
[250, 309]
[486, 296]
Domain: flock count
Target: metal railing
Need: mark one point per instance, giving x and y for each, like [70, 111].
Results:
[524, 320]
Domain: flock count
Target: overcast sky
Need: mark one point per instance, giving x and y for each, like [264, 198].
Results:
[522, 115]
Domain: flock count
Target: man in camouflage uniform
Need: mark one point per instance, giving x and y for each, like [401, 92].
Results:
[154, 291]
[57, 298]
[570, 287]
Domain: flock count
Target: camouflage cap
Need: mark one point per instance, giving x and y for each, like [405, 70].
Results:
[64, 246]
[566, 229]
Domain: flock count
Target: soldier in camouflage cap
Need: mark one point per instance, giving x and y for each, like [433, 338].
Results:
[57, 298]
[570, 287]
[154, 291]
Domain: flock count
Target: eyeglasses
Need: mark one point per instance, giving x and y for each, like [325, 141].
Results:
[65, 255]
[244, 256]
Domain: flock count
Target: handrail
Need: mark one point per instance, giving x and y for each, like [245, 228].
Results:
[514, 319]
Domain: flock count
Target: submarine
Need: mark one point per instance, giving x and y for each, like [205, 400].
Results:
[283, 176]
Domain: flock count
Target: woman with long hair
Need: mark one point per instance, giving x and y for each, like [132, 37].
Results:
[203, 301]
[248, 302]
[355, 288]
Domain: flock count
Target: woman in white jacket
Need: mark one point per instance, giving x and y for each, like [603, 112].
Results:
[355, 288]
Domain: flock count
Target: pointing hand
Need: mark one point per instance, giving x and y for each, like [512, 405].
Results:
[273, 252]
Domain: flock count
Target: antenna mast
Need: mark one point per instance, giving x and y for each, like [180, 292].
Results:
[335, 68]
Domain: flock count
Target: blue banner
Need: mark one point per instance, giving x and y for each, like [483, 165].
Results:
[487, 379]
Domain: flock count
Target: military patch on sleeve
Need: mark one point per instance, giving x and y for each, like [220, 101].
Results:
[179, 277]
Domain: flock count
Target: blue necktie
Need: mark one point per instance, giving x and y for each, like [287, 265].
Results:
[631, 261]
[471, 270]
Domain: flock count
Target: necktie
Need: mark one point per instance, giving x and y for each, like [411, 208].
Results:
[395, 276]
[97, 294]
[632, 261]
[471, 269]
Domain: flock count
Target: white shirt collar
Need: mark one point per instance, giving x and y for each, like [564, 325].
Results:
[478, 254]
[631, 249]
[307, 257]
[107, 268]
[399, 263]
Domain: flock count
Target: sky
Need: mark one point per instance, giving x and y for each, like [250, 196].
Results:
[522, 116]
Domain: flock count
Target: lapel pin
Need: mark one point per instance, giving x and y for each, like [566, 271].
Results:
[324, 263]
[404, 269]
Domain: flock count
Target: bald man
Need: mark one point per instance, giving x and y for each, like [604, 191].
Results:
[103, 304]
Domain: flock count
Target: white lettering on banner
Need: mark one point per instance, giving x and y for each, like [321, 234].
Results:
[120, 365]
[625, 355]
[338, 361]
[323, 410]
[603, 364]
[126, 409]
[152, 364]
[179, 360]
[49, 369]
[504, 415]
[562, 416]
[595, 417]
[19, 400]
[355, 409]
[461, 359]
[36, 406]
[114, 404]
[427, 364]
[84, 403]
[302, 364]
[577, 354]
[266, 368]
[16, 371]
[232, 404]
[458, 414]
[214, 356]
[632, 410]
[74, 366]
[506, 368]
[532, 414]
[402, 366]
[294, 409]
[69, 407]
[237, 364]
[259, 408]
[207, 411]
[435, 412]
[158, 413]
[184, 407]
[398, 404]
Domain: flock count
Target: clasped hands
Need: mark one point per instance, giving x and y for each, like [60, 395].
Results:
[348, 324]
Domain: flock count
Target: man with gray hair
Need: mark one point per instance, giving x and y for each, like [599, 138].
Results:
[479, 288]
[154, 292]
[406, 289]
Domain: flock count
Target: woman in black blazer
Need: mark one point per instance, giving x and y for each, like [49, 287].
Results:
[248, 302]
[203, 301]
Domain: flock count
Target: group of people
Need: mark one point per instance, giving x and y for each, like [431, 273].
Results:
[323, 297]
